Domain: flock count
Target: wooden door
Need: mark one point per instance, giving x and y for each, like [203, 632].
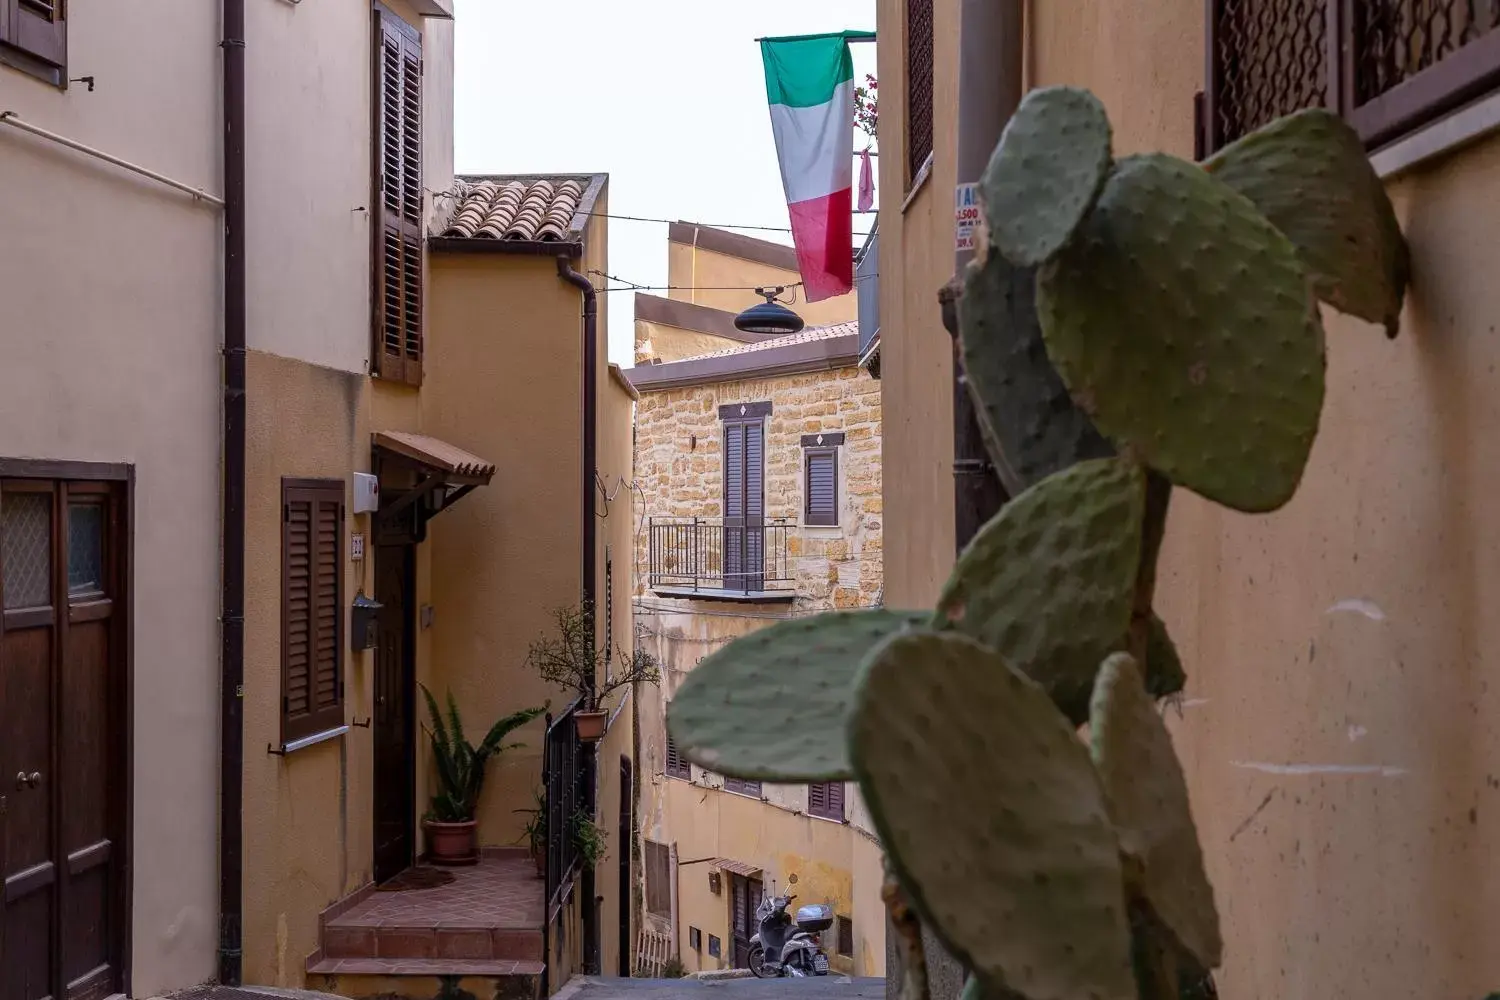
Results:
[745, 896]
[744, 505]
[626, 849]
[64, 757]
[395, 723]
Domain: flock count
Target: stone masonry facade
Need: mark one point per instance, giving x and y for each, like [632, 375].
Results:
[679, 471]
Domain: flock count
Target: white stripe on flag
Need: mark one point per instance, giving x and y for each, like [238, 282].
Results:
[816, 145]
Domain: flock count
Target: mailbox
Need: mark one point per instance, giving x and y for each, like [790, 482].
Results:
[364, 623]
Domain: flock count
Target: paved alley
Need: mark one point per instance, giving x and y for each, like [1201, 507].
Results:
[815, 988]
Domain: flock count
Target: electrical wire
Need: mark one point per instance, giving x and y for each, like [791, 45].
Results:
[626, 285]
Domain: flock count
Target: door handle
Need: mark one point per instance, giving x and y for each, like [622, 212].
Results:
[24, 780]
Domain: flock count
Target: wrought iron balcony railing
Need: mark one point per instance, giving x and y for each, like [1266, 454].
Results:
[719, 554]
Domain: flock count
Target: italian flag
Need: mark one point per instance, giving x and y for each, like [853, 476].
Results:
[810, 84]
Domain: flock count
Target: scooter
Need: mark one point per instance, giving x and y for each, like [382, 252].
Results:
[778, 950]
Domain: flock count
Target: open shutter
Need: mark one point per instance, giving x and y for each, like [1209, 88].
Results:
[39, 28]
[822, 487]
[398, 186]
[312, 617]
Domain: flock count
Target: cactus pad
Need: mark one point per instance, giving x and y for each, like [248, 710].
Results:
[1031, 425]
[1023, 882]
[1308, 173]
[770, 706]
[1048, 583]
[1164, 674]
[1148, 801]
[1045, 173]
[1181, 321]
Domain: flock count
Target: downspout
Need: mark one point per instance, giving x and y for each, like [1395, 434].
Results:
[590, 465]
[991, 48]
[232, 600]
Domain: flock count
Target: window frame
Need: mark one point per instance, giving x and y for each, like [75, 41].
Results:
[657, 859]
[1468, 73]
[814, 446]
[388, 223]
[26, 47]
[919, 154]
[317, 720]
[843, 935]
[827, 810]
[674, 765]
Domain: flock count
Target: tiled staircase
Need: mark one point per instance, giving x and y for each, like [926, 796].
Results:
[485, 926]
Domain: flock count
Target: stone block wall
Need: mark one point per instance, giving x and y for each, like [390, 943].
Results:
[679, 471]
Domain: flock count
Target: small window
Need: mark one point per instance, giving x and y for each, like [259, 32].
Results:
[658, 879]
[26, 550]
[695, 939]
[846, 937]
[312, 607]
[821, 468]
[714, 949]
[34, 38]
[919, 87]
[826, 800]
[739, 786]
[677, 765]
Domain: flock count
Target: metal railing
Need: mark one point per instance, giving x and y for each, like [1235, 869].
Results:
[715, 553]
[564, 774]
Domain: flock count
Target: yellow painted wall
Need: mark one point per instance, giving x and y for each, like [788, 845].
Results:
[916, 259]
[110, 322]
[1342, 768]
[671, 343]
[715, 279]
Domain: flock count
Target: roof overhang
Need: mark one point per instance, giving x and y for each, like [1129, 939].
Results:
[421, 477]
[737, 867]
[792, 359]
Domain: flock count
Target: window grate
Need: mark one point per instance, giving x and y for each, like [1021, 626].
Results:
[1394, 40]
[1272, 60]
[919, 99]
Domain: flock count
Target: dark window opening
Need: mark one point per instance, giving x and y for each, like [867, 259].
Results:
[740, 786]
[919, 87]
[695, 938]
[658, 879]
[677, 765]
[846, 937]
[1396, 65]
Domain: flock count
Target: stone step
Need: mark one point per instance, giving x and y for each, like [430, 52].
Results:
[425, 979]
[459, 941]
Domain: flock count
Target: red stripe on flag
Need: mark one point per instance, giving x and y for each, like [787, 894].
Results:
[823, 233]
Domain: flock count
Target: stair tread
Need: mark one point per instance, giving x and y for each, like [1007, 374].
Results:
[422, 967]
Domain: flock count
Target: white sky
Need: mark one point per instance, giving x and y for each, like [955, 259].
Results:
[667, 96]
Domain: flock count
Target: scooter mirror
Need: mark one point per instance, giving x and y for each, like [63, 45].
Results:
[791, 879]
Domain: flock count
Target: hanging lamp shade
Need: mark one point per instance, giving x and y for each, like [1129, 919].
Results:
[769, 316]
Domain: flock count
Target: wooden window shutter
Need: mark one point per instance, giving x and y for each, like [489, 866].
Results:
[822, 474]
[742, 787]
[658, 879]
[919, 86]
[38, 28]
[826, 799]
[398, 272]
[312, 607]
[676, 766]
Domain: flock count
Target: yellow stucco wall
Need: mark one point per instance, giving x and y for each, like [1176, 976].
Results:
[672, 343]
[110, 323]
[716, 280]
[1334, 730]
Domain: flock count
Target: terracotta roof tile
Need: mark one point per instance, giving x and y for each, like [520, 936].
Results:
[531, 209]
[808, 335]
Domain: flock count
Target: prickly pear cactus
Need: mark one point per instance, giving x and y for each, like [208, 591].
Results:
[1136, 324]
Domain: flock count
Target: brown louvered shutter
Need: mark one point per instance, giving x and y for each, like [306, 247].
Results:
[826, 799]
[38, 28]
[398, 194]
[822, 472]
[312, 616]
[677, 767]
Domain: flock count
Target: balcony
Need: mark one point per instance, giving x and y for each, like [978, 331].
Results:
[715, 558]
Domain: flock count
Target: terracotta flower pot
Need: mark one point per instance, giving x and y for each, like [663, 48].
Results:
[591, 725]
[452, 843]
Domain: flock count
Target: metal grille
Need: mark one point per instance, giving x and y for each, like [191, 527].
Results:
[1272, 59]
[1394, 40]
[26, 549]
[564, 776]
[918, 85]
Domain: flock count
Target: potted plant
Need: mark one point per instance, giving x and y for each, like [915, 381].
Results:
[449, 823]
[573, 660]
[535, 833]
[588, 837]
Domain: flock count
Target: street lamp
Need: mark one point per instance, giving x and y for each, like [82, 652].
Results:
[769, 316]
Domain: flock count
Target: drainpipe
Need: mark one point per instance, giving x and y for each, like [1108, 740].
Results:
[232, 608]
[991, 46]
[590, 466]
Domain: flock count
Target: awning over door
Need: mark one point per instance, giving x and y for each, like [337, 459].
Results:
[420, 477]
[737, 867]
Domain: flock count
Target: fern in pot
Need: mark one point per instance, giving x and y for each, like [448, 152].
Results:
[449, 824]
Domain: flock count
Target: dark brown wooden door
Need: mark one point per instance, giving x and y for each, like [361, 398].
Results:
[746, 894]
[626, 849]
[63, 757]
[395, 724]
[744, 505]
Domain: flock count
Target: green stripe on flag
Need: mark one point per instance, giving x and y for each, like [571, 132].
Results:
[803, 72]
